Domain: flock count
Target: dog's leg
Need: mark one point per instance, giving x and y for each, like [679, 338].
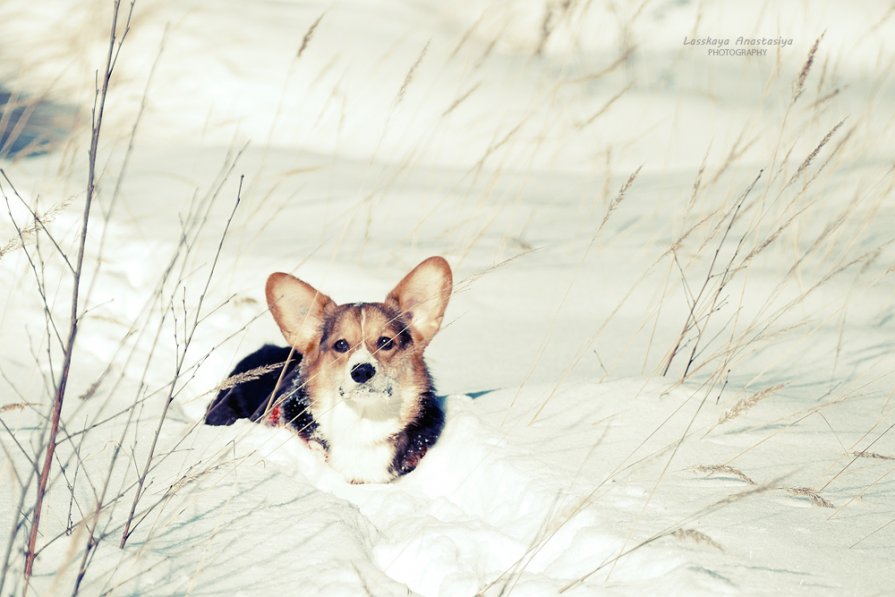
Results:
[415, 441]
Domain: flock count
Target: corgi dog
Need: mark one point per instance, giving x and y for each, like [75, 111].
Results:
[353, 381]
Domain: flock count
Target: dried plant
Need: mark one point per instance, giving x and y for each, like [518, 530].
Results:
[747, 403]
[873, 455]
[806, 68]
[695, 536]
[816, 498]
[723, 469]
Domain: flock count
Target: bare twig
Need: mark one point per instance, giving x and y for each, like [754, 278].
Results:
[692, 317]
[178, 369]
[99, 107]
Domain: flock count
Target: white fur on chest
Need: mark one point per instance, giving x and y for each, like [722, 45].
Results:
[360, 447]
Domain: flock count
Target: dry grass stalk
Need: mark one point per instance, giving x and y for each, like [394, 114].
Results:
[547, 26]
[695, 536]
[679, 241]
[771, 238]
[90, 392]
[694, 318]
[697, 182]
[832, 227]
[17, 113]
[466, 35]
[605, 107]
[872, 533]
[620, 196]
[622, 58]
[408, 78]
[759, 331]
[461, 99]
[724, 469]
[806, 68]
[37, 220]
[309, 35]
[489, 49]
[27, 232]
[189, 477]
[822, 79]
[857, 455]
[844, 139]
[245, 376]
[747, 403]
[737, 150]
[10, 407]
[874, 455]
[495, 146]
[824, 99]
[109, 209]
[813, 154]
[815, 497]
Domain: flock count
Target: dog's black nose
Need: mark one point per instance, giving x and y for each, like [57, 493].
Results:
[362, 372]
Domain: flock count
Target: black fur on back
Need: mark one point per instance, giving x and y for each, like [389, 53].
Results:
[248, 400]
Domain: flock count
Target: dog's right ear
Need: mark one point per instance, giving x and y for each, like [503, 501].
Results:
[298, 309]
[422, 296]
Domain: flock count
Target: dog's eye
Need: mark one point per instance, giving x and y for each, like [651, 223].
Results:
[385, 343]
[341, 346]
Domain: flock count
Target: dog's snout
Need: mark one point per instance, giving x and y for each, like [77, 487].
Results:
[362, 372]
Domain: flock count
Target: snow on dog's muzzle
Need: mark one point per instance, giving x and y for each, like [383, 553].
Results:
[364, 381]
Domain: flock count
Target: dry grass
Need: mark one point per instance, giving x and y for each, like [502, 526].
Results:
[748, 403]
[799, 86]
[694, 536]
[816, 498]
[245, 376]
[807, 162]
[724, 469]
[872, 455]
[11, 407]
[309, 35]
[411, 72]
[29, 231]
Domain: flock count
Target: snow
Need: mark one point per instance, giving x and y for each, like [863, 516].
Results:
[571, 462]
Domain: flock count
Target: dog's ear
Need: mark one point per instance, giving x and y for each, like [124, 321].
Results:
[422, 296]
[298, 309]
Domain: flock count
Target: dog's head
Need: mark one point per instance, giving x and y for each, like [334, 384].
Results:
[368, 354]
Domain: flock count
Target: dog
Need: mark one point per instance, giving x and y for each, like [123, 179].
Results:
[353, 381]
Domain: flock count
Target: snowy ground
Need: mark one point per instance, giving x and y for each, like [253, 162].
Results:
[590, 179]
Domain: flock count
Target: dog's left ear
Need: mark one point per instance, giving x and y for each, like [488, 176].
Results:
[422, 296]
